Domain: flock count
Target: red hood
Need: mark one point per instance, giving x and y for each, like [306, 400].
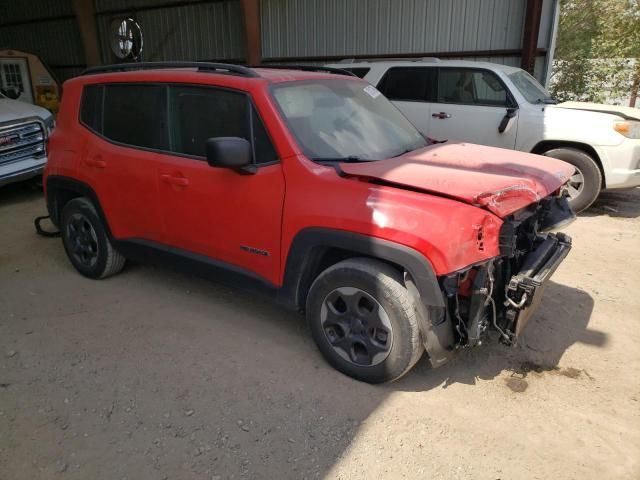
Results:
[500, 180]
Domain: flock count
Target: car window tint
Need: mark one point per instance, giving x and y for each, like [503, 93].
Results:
[91, 107]
[471, 87]
[357, 71]
[265, 152]
[136, 115]
[409, 83]
[200, 113]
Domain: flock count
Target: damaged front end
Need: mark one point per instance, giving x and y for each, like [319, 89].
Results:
[502, 293]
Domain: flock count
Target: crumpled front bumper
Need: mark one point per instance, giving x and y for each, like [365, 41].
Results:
[525, 289]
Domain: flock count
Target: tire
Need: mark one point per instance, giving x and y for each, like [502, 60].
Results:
[581, 194]
[363, 320]
[86, 241]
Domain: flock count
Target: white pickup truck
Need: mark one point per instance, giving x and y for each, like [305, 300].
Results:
[24, 129]
[502, 106]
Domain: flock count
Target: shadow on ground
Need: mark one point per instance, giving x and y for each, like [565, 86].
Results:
[616, 203]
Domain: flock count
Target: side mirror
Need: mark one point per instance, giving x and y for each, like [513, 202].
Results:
[505, 124]
[230, 152]
[13, 93]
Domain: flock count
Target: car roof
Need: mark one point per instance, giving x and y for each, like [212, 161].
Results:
[193, 75]
[425, 62]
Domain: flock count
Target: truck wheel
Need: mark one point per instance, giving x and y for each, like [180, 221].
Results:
[363, 320]
[584, 185]
[86, 242]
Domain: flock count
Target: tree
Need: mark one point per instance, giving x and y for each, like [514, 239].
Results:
[598, 50]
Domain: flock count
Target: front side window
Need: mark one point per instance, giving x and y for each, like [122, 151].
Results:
[416, 84]
[136, 115]
[345, 119]
[200, 113]
[471, 87]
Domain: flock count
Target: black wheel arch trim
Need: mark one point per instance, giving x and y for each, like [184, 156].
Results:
[58, 182]
[310, 243]
[544, 146]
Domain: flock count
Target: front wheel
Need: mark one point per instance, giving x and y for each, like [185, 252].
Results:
[363, 320]
[584, 186]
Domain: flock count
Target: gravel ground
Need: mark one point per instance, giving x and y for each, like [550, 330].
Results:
[157, 375]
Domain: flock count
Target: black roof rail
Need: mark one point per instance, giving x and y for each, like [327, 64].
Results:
[200, 66]
[308, 68]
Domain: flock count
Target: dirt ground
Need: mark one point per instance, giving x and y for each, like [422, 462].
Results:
[158, 375]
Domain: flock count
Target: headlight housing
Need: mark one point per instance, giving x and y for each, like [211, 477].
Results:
[628, 128]
[49, 123]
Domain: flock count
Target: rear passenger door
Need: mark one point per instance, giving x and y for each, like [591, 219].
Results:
[411, 89]
[471, 106]
[124, 125]
[217, 212]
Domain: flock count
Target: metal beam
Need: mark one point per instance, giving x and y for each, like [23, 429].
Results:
[86, 18]
[252, 34]
[530, 36]
[400, 56]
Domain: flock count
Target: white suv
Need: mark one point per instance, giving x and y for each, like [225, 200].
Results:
[24, 129]
[503, 106]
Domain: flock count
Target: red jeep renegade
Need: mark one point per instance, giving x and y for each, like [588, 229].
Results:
[308, 185]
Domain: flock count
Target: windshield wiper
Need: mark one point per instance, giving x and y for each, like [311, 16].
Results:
[407, 150]
[347, 159]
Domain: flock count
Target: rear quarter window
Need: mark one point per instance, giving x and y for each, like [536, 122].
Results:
[91, 107]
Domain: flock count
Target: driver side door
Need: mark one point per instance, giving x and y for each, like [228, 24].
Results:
[471, 106]
[216, 212]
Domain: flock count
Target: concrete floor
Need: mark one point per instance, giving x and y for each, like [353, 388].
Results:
[153, 374]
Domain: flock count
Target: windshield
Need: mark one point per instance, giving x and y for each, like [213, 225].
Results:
[345, 120]
[530, 89]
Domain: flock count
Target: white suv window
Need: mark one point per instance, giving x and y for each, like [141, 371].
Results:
[413, 84]
[471, 87]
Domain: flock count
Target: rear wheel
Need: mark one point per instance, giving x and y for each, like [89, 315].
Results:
[363, 320]
[86, 241]
[584, 185]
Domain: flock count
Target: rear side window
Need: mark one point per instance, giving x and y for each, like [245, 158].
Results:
[200, 113]
[471, 87]
[173, 118]
[136, 115]
[91, 107]
[410, 83]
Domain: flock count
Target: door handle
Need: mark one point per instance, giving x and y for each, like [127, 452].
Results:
[441, 115]
[171, 180]
[95, 162]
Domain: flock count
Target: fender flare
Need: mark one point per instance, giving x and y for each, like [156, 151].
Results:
[308, 246]
[58, 182]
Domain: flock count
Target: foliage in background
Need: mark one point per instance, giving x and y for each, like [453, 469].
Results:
[598, 50]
